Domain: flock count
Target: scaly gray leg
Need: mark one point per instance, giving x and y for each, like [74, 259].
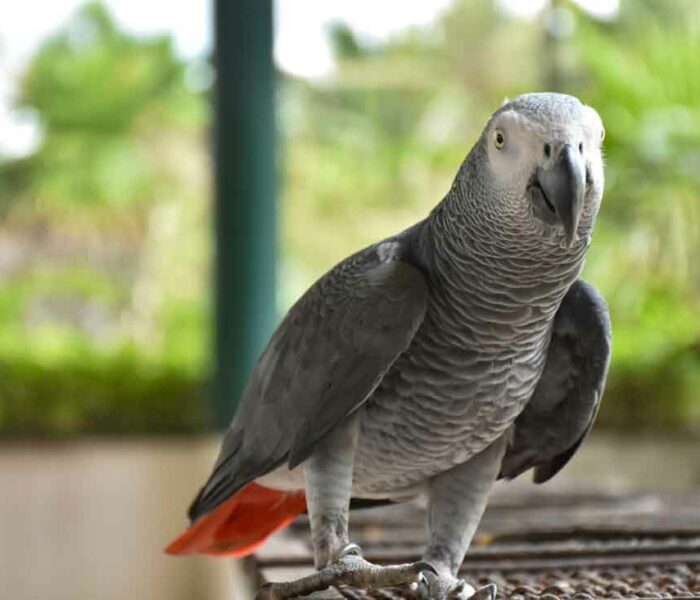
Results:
[457, 499]
[328, 475]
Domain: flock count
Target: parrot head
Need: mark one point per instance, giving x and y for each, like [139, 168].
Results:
[545, 166]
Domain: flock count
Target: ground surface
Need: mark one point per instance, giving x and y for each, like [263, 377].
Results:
[547, 545]
[88, 519]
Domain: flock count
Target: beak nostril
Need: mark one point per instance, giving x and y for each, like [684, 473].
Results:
[547, 150]
[580, 147]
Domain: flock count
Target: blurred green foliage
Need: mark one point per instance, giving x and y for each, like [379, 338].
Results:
[100, 93]
[104, 309]
[104, 305]
[640, 72]
[117, 393]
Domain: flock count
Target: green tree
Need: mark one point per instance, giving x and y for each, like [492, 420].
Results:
[103, 321]
[99, 94]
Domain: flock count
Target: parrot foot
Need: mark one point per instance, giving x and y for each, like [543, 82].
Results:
[446, 587]
[349, 569]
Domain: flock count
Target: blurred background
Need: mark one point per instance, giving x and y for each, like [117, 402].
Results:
[106, 237]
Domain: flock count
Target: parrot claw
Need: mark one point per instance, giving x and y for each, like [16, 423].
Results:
[352, 570]
[350, 549]
[436, 587]
[488, 592]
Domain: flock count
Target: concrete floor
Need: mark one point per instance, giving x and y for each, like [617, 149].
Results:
[88, 519]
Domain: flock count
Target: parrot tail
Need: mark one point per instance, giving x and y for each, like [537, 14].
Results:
[240, 525]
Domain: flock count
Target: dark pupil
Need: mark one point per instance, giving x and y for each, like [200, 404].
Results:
[499, 138]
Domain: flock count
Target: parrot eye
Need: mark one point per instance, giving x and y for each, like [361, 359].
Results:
[499, 140]
[602, 134]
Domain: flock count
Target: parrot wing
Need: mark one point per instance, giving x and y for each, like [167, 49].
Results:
[565, 402]
[325, 359]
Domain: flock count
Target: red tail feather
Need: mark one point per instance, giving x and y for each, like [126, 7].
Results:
[240, 525]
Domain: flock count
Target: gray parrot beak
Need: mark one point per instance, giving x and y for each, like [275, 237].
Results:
[563, 185]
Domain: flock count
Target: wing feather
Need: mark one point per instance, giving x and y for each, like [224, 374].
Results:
[325, 359]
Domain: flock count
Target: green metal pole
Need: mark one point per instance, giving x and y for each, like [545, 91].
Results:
[245, 183]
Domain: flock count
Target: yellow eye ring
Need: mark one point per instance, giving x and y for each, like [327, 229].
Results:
[602, 134]
[499, 139]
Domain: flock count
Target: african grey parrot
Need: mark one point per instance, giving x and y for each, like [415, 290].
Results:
[429, 364]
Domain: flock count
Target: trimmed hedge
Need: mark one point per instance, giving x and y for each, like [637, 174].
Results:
[116, 395]
[657, 396]
[128, 394]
